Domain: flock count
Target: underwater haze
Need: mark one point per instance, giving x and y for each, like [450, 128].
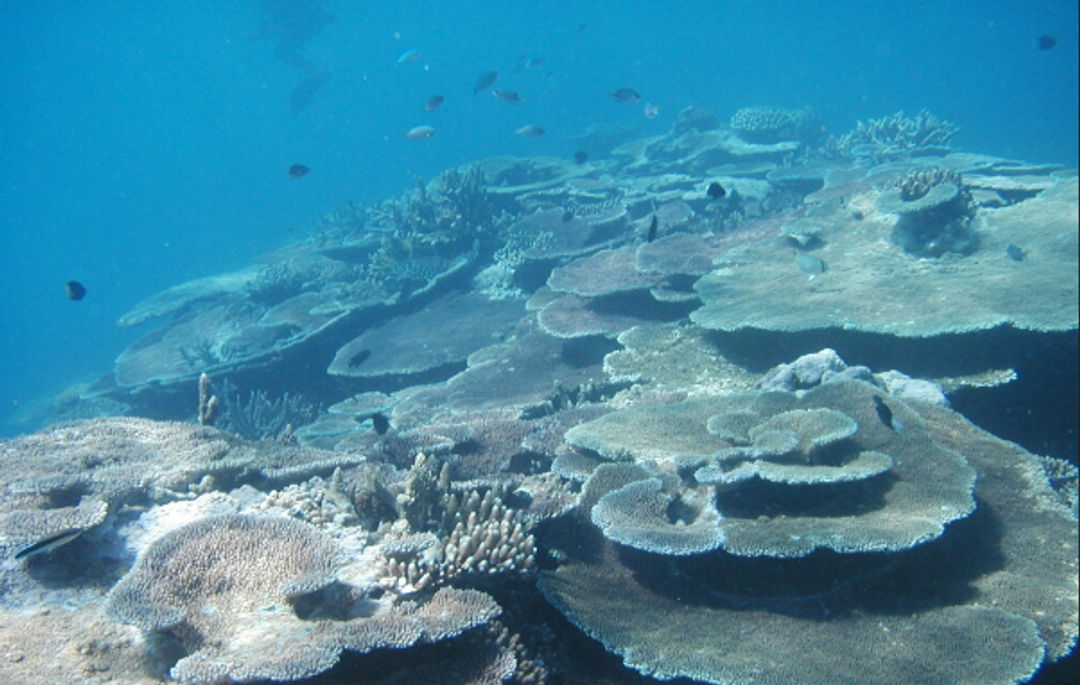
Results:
[537, 343]
[147, 144]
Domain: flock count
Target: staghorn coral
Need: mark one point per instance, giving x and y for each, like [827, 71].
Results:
[261, 417]
[897, 136]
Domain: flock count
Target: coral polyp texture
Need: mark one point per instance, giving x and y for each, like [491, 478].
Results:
[446, 436]
[231, 589]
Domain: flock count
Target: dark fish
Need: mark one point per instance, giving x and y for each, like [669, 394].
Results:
[653, 226]
[298, 171]
[886, 416]
[580, 157]
[75, 290]
[809, 264]
[1047, 42]
[1015, 252]
[46, 545]
[433, 102]
[303, 93]
[625, 95]
[485, 81]
[508, 96]
[716, 191]
[567, 216]
[380, 423]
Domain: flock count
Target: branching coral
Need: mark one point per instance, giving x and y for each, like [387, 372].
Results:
[897, 136]
[259, 416]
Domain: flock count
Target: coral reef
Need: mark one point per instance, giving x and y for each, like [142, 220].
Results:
[247, 597]
[774, 124]
[758, 285]
[935, 211]
[578, 375]
[898, 136]
[722, 623]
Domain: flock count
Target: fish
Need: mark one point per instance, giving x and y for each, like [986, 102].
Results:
[625, 95]
[1015, 252]
[885, 415]
[810, 264]
[408, 57]
[48, 544]
[716, 191]
[484, 81]
[380, 424]
[433, 102]
[581, 156]
[651, 110]
[420, 132]
[654, 225]
[531, 131]
[526, 61]
[508, 96]
[75, 290]
[298, 171]
[567, 215]
[1046, 42]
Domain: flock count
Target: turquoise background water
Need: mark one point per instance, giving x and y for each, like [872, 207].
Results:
[145, 144]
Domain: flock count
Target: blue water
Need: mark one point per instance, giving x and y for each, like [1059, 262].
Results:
[145, 144]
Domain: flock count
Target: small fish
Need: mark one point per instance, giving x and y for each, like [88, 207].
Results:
[433, 102]
[485, 81]
[531, 131]
[810, 264]
[581, 156]
[380, 423]
[526, 62]
[408, 57]
[298, 171]
[46, 545]
[885, 415]
[625, 95]
[715, 191]
[511, 97]
[75, 290]
[1015, 252]
[651, 110]
[1046, 42]
[420, 132]
[654, 225]
[567, 215]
